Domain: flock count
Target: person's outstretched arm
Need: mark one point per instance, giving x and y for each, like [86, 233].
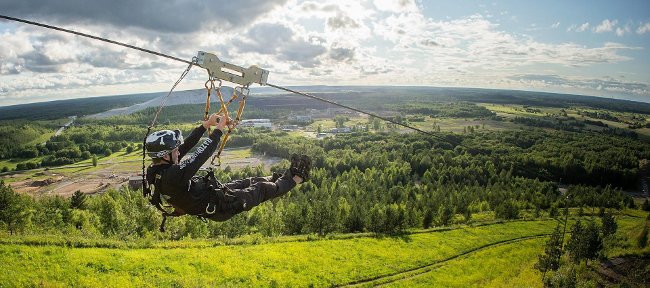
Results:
[188, 167]
[191, 140]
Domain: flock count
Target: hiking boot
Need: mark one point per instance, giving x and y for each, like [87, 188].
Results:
[275, 177]
[300, 166]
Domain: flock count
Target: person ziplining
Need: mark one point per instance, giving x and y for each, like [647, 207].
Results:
[174, 180]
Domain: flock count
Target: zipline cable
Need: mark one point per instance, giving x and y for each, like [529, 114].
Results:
[191, 63]
[96, 38]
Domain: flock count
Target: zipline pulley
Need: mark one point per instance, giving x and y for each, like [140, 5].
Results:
[229, 72]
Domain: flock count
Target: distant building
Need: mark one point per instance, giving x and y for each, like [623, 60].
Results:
[135, 182]
[289, 128]
[257, 123]
[300, 118]
[341, 130]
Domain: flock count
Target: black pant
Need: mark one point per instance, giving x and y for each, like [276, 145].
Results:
[247, 193]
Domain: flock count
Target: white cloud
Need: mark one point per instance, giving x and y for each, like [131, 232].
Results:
[621, 31]
[605, 26]
[583, 27]
[643, 28]
[555, 25]
[604, 85]
[396, 6]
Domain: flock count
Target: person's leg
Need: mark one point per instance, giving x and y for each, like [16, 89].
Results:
[247, 182]
[247, 198]
[239, 200]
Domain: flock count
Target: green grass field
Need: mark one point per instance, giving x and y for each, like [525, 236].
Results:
[507, 265]
[490, 260]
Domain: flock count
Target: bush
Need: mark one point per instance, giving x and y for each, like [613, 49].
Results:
[646, 205]
[642, 240]
[507, 210]
[86, 155]
[14, 209]
[21, 166]
[32, 165]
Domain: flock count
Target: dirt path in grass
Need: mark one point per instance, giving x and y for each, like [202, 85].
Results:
[417, 271]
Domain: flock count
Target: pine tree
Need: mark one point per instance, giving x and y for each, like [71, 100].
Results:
[78, 200]
[594, 243]
[642, 241]
[13, 209]
[609, 225]
[445, 213]
[428, 219]
[646, 205]
[576, 244]
[550, 260]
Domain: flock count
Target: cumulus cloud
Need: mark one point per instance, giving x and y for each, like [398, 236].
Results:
[555, 25]
[643, 28]
[167, 16]
[341, 21]
[396, 6]
[621, 31]
[605, 26]
[580, 28]
[342, 54]
[607, 83]
[281, 42]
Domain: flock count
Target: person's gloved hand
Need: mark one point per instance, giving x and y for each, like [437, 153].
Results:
[222, 122]
[216, 120]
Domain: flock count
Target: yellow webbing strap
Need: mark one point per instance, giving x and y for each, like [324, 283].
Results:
[231, 126]
[207, 100]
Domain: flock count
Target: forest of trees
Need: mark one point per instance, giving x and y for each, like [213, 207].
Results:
[372, 182]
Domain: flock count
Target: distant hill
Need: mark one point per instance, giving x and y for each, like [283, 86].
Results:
[71, 107]
[364, 97]
[176, 98]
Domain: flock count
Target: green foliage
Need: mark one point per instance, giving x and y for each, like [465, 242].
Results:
[585, 242]
[14, 209]
[94, 160]
[646, 205]
[609, 225]
[441, 109]
[642, 239]
[550, 260]
[507, 210]
[340, 121]
[565, 277]
[14, 137]
[78, 200]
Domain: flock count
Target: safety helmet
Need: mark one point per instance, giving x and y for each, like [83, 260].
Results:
[161, 143]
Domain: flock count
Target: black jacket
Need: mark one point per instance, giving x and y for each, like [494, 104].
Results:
[175, 184]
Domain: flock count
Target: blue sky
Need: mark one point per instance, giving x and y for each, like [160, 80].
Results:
[599, 48]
